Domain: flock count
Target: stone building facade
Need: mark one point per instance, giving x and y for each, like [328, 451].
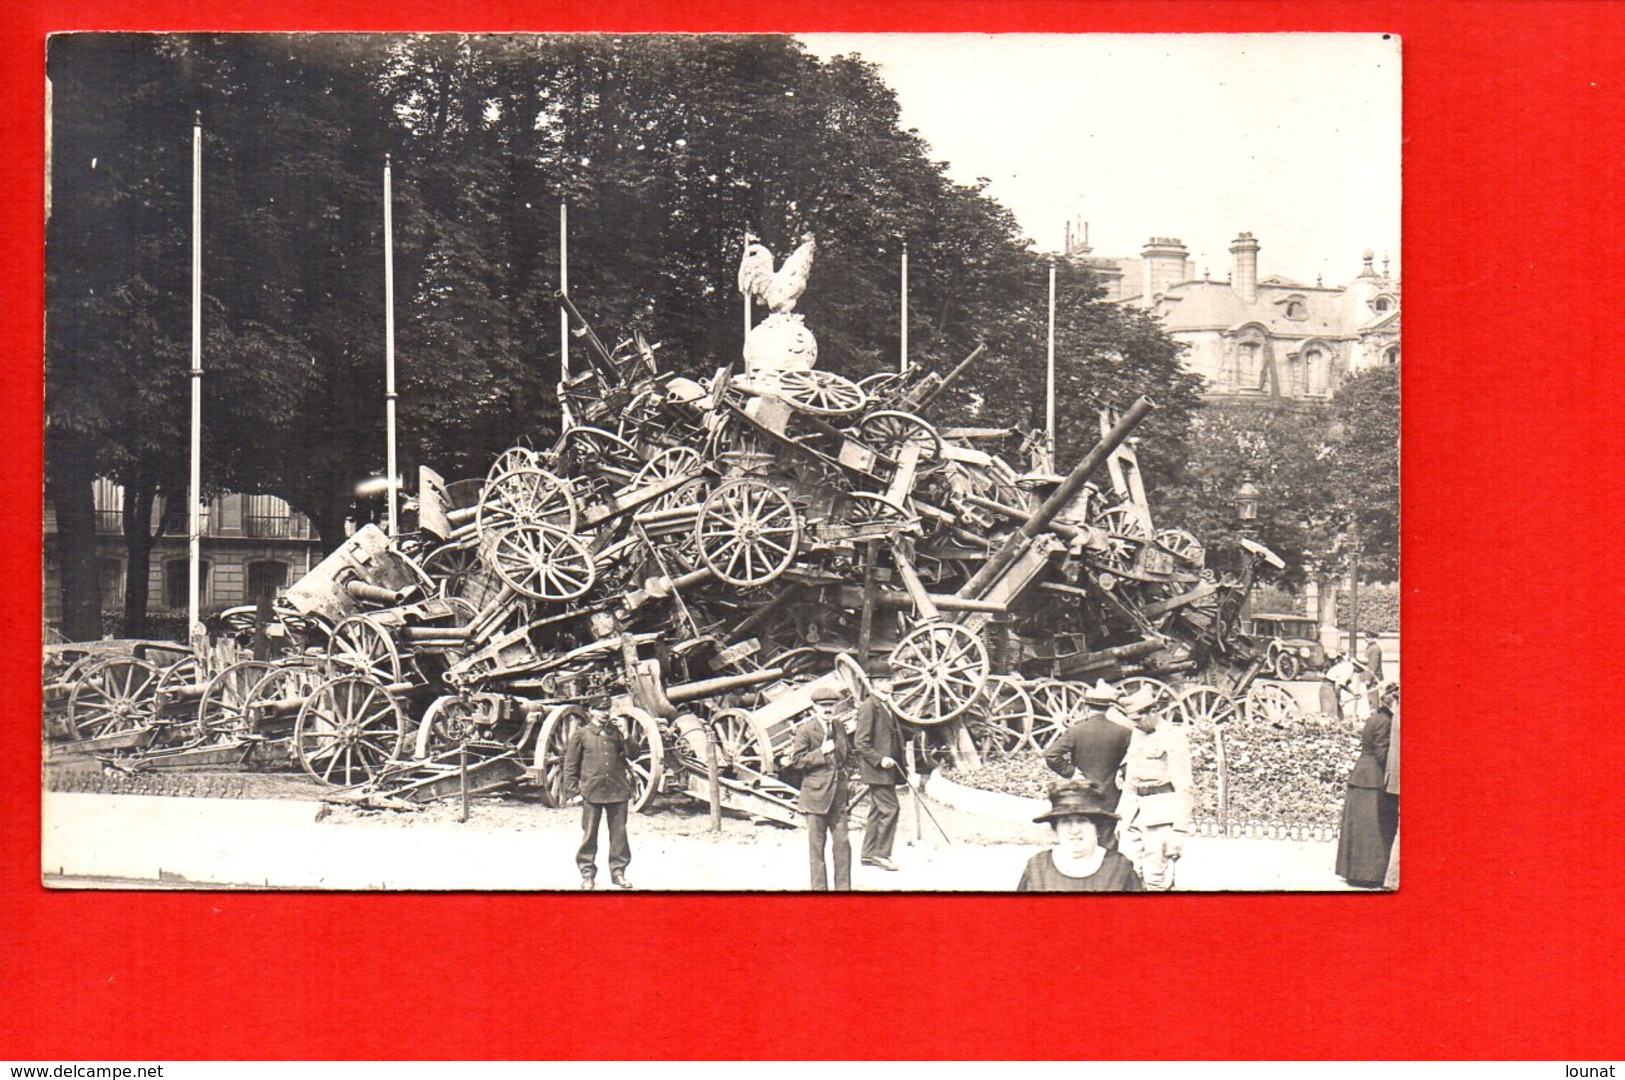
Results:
[1253, 338]
[253, 546]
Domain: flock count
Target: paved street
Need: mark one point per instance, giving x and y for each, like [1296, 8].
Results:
[280, 843]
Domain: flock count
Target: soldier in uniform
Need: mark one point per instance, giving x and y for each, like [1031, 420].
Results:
[821, 748]
[596, 776]
[1156, 806]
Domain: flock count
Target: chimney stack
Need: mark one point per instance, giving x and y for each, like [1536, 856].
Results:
[1164, 260]
[1244, 275]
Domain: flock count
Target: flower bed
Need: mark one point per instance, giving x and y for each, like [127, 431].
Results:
[1277, 773]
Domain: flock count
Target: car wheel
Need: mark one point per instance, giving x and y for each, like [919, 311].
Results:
[1287, 666]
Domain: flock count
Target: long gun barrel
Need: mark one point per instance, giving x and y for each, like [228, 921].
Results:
[599, 355]
[1059, 499]
[935, 390]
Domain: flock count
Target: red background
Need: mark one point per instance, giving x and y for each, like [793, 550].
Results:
[1500, 943]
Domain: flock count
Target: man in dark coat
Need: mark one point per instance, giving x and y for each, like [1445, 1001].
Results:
[820, 748]
[595, 774]
[1094, 748]
[880, 749]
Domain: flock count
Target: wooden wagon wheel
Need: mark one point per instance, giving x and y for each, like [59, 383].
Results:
[821, 393]
[223, 709]
[1272, 703]
[1003, 720]
[938, 670]
[360, 644]
[542, 562]
[645, 754]
[1206, 706]
[1125, 534]
[348, 731]
[748, 532]
[272, 704]
[889, 431]
[1057, 706]
[526, 497]
[112, 694]
[743, 740]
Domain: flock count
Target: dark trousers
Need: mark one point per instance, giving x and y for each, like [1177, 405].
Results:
[819, 828]
[620, 851]
[881, 831]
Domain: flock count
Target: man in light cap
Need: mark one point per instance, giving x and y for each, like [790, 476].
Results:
[1094, 748]
[820, 748]
[1156, 806]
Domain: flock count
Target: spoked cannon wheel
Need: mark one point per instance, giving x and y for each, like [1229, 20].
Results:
[111, 695]
[1272, 703]
[821, 393]
[348, 731]
[526, 496]
[1207, 707]
[551, 743]
[1182, 546]
[671, 462]
[938, 670]
[645, 753]
[748, 532]
[359, 644]
[449, 721]
[1167, 696]
[272, 704]
[1003, 722]
[542, 562]
[222, 711]
[1057, 705]
[511, 459]
[889, 431]
[1125, 534]
[742, 740]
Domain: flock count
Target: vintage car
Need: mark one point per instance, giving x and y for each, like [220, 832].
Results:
[1292, 644]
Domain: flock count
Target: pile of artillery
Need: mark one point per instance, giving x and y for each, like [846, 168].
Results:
[696, 556]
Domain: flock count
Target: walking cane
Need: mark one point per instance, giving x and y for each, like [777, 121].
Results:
[919, 804]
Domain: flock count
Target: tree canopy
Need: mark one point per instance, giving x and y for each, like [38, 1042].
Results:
[666, 149]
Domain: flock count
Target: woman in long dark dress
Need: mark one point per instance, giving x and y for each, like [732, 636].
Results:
[1078, 862]
[1370, 813]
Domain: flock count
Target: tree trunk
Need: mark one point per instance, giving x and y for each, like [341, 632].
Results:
[71, 488]
[138, 544]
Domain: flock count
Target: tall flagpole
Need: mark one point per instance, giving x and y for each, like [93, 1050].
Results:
[746, 292]
[194, 491]
[902, 360]
[564, 316]
[1049, 397]
[389, 350]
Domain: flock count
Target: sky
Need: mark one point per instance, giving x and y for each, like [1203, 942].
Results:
[1292, 137]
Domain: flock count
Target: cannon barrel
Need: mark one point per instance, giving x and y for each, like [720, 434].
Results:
[1058, 500]
[720, 685]
[373, 594]
[1059, 528]
[1082, 662]
[852, 596]
[600, 356]
[435, 633]
[932, 393]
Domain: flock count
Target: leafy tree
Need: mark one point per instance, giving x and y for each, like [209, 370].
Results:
[1365, 466]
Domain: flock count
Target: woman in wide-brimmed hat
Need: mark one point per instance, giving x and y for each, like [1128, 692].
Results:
[1078, 862]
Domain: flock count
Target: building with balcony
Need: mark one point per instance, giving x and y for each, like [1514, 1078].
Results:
[252, 547]
[1253, 338]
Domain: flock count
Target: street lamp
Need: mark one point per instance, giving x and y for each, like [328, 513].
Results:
[1246, 502]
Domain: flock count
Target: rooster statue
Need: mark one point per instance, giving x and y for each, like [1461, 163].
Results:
[779, 291]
